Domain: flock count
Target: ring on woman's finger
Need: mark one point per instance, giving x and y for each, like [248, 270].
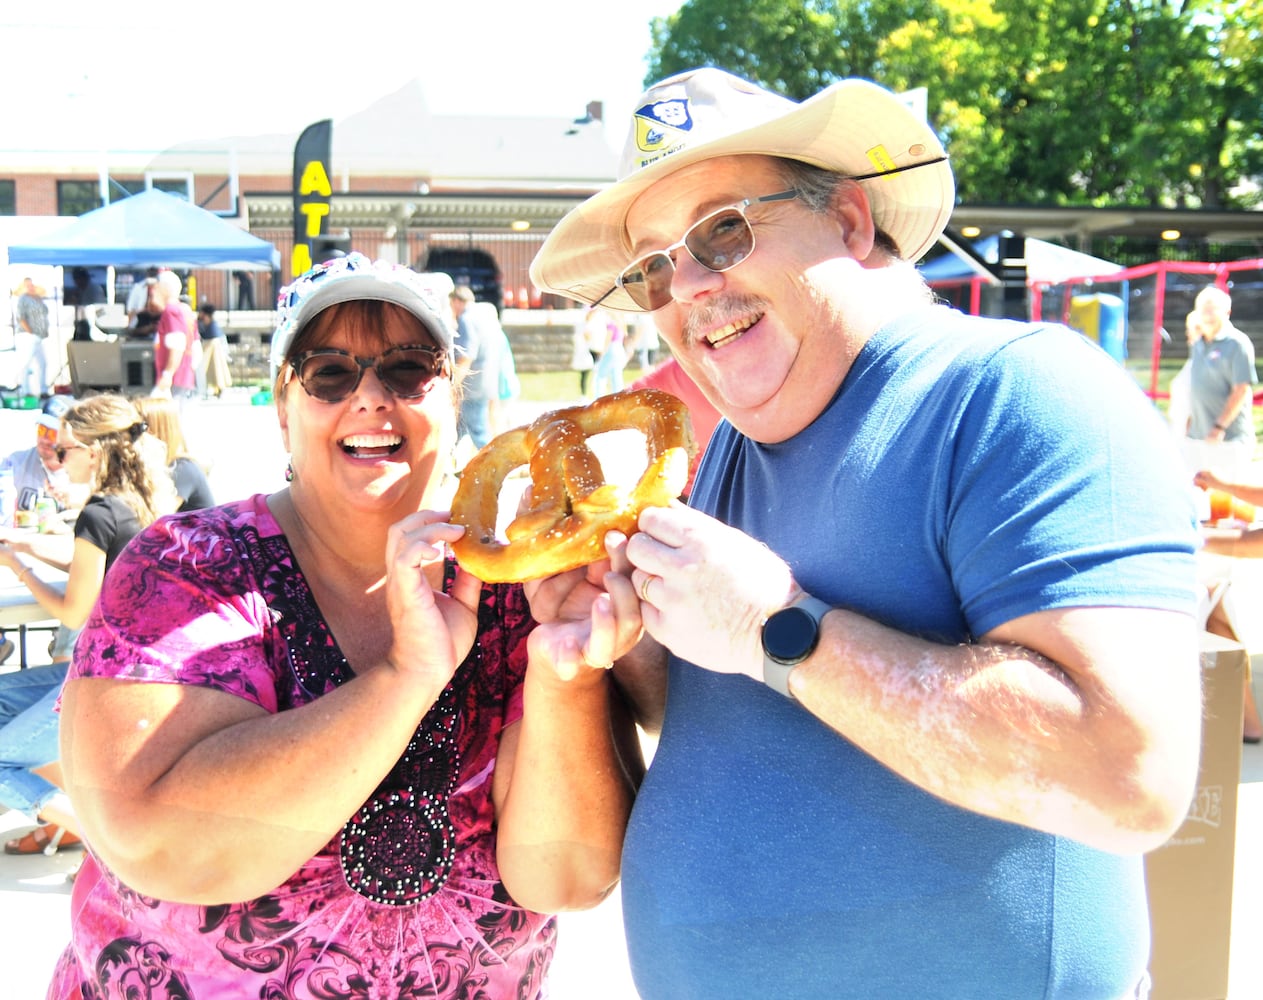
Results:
[644, 588]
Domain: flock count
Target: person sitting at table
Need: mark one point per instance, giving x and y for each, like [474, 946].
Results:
[301, 741]
[35, 470]
[1246, 543]
[163, 418]
[101, 444]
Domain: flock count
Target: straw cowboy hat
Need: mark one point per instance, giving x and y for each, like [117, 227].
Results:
[853, 126]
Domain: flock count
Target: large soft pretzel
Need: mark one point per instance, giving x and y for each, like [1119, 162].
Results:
[571, 504]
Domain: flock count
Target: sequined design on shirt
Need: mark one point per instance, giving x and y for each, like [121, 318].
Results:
[397, 848]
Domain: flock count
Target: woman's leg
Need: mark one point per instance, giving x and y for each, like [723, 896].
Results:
[57, 808]
[1252, 729]
[28, 737]
[1220, 623]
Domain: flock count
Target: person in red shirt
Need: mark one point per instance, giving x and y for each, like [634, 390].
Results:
[670, 377]
[173, 355]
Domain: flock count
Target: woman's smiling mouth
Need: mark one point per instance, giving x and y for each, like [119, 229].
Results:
[371, 445]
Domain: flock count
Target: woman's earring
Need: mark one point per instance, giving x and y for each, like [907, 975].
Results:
[289, 472]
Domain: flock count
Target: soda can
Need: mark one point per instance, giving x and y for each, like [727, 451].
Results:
[45, 512]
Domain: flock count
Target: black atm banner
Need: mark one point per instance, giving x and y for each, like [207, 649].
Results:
[312, 192]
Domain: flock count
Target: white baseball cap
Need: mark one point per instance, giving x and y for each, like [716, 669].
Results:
[353, 278]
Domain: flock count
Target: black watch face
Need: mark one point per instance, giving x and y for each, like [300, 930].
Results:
[790, 635]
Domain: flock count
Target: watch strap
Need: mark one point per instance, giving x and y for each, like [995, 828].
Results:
[776, 673]
[776, 676]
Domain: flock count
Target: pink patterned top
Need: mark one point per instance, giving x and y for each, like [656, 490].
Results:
[214, 599]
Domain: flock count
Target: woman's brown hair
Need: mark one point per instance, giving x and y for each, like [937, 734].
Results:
[129, 467]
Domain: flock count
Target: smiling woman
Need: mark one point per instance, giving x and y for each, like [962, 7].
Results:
[331, 345]
[296, 625]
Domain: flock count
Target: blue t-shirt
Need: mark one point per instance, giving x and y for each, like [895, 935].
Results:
[475, 342]
[967, 472]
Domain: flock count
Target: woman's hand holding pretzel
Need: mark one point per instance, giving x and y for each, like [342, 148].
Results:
[568, 539]
[595, 605]
[433, 632]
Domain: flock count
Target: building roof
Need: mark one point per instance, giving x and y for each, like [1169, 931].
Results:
[398, 136]
[1074, 222]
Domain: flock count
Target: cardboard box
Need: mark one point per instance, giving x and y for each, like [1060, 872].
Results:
[1190, 876]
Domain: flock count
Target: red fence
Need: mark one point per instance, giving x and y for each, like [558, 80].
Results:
[1157, 297]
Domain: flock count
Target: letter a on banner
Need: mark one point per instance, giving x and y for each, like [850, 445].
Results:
[312, 192]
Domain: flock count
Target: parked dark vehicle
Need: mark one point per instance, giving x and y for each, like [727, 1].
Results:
[472, 267]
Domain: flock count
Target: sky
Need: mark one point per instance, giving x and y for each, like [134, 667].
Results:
[101, 76]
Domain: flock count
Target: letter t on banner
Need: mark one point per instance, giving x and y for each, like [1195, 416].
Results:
[312, 192]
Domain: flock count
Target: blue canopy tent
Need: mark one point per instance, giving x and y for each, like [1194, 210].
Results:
[151, 229]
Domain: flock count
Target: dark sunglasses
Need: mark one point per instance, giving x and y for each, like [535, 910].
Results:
[331, 375]
[62, 450]
[718, 241]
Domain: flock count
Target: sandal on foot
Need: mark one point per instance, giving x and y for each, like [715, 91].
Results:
[47, 839]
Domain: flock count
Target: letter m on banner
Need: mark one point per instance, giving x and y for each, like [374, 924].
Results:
[312, 192]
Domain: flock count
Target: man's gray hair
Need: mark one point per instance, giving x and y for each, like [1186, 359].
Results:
[171, 283]
[816, 187]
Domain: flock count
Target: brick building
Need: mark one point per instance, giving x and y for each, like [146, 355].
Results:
[478, 193]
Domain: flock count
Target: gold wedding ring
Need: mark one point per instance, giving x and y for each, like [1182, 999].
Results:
[644, 588]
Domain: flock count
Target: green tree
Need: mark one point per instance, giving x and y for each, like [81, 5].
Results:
[787, 45]
[795, 47]
[1102, 102]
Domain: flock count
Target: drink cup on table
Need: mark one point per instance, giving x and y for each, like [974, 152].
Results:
[46, 513]
[1224, 507]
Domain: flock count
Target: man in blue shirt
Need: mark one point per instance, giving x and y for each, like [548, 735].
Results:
[921, 648]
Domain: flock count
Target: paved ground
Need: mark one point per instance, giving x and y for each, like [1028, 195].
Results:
[244, 450]
[591, 959]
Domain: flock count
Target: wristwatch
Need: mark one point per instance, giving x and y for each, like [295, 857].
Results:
[789, 637]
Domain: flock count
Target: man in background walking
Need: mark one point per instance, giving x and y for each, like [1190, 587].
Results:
[32, 331]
